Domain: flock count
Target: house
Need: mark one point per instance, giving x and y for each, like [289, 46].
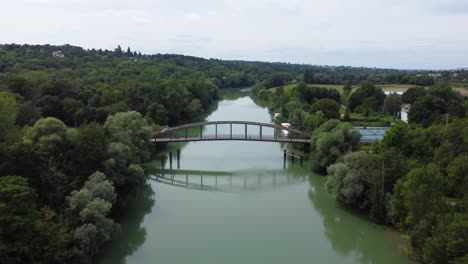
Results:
[393, 92]
[58, 53]
[404, 112]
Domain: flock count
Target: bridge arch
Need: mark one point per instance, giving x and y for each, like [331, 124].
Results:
[293, 135]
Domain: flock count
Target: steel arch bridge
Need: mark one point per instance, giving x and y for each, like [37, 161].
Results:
[173, 134]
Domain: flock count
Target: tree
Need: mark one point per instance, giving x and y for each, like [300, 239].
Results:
[88, 209]
[368, 97]
[28, 235]
[118, 51]
[421, 195]
[458, 176]
[51, 106]
[132, 130]
[392, 104]
[28, 113]
[328, 107]
[7, 114]
[330, 141]
[412, 94]
[157, 113]
[347, 88]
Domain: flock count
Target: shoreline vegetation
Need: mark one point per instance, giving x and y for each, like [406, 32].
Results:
[75, 126]
[415, 180]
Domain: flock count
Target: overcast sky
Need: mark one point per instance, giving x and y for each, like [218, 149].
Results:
[429, 34]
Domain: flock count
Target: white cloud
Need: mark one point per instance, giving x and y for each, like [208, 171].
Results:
[382, 33]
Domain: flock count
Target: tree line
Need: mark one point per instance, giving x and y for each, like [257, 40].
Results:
[416, 179]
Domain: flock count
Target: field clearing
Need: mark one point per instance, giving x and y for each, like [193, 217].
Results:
[385, 87]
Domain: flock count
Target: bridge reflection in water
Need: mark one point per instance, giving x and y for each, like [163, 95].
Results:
[237, 181]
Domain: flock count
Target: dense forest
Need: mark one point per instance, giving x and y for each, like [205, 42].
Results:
[75, 126]
[416, 179]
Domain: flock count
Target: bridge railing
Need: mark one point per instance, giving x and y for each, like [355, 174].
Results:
[263, 131]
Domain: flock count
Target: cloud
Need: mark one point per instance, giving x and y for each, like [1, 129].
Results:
[417, 33]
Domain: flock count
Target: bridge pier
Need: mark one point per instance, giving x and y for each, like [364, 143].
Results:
[260, 132]
[245, 131]
[231, 129]
[216, 131]
[170, 160]
[201, 131]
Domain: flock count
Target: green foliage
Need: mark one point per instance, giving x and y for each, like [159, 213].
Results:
[434, 107]
[89, 208]
[28, 235]
[330, 108]
[392, 104]
[330, 141]
[131, 129]
[412, 94]
[7, 114]
[366, 99]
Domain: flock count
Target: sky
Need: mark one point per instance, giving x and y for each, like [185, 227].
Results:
[405, 34]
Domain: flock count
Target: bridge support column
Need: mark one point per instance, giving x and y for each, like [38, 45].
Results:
[201, 131]
[260, 132]
[231, 130]
[245, 131]
[170, 159]
[216, 131]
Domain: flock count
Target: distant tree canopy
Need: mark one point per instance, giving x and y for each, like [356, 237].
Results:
[366, 99]
[439, 103]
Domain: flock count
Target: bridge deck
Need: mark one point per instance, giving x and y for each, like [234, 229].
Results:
[219, 137]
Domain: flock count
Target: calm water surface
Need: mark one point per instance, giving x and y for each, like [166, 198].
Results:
[243, 205]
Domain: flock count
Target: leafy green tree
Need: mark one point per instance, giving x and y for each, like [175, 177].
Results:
[458, 176]
[347, 88]
[51, 106]
[392, 104]
[7, 114]
[329, 107]
[28, 113]
[412, 94]
[89, 208]
[421, 195]
[132, 130]
[368, 97]
[28, 235]
[157, 113]
[330, 142]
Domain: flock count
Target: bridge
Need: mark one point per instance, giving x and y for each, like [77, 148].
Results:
[266, 132]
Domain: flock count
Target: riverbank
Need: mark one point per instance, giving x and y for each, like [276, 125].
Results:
[256, 210]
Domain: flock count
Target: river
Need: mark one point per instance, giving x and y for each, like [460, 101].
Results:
[243, 205]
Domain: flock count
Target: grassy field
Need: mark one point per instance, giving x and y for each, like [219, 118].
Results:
[339, 87]
[386, 87]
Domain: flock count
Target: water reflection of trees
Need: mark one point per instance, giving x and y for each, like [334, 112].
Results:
[132, 235]
[346, 232]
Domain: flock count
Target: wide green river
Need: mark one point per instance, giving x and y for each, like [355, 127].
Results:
[237, 202]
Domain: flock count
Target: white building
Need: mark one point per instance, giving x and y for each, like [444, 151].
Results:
[393, 92]
[58, 53]
[404, 112]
